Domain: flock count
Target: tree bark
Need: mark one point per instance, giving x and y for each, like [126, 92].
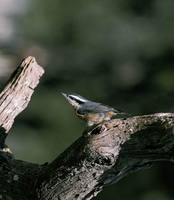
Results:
[100, 157]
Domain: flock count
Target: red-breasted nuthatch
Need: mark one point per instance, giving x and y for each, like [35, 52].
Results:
[90, 111]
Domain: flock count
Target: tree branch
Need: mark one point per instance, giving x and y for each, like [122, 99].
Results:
[17, 177]
[101, 156]
[17, 93]
[110, 152]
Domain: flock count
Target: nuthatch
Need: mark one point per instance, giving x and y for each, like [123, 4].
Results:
[90, 111]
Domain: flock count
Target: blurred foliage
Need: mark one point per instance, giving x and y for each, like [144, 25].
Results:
[118, 52]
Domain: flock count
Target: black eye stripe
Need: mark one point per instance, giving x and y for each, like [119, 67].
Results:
[77, 100]
[71, 97]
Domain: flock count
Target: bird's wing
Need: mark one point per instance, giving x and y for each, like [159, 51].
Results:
[94, 107]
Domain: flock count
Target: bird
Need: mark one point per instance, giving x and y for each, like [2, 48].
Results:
[92, 112]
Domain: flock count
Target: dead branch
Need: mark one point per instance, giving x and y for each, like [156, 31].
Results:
[110, 152]
[17, 94]
[101, 157]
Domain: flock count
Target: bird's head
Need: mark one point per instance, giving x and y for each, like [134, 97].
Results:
[75, 100]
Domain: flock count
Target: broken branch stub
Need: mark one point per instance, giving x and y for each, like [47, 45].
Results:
[18, 91]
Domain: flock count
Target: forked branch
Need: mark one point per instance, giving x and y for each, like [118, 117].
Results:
[101, 157]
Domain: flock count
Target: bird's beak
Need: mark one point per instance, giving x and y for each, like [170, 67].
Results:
[65, 95]
[72, 102]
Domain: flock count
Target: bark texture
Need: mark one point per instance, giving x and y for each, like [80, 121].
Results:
[107, 154]
[100, 157]
[17, 94]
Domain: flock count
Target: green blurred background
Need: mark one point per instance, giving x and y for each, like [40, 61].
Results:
[117, 52]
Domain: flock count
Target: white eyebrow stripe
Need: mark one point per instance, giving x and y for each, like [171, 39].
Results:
[78, 98]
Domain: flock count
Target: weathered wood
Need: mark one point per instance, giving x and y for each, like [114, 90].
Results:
[101, 157]
[113, 150]
[17, 177]
[17, 94]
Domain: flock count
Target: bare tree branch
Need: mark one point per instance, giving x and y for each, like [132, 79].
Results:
[100, 157]
[110, 152]
[16, 95]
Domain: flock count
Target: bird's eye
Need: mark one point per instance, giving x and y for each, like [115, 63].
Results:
[71, 97]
